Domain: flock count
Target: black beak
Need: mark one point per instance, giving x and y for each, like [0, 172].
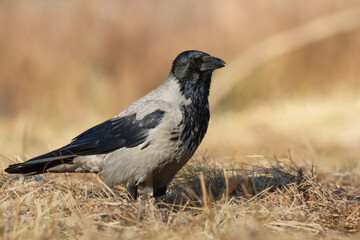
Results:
[211, 63]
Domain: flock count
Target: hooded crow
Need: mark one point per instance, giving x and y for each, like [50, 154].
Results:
[150, 140]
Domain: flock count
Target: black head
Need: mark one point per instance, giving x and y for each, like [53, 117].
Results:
[195, 65]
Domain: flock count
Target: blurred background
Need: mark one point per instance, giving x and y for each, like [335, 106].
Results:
[292, 80]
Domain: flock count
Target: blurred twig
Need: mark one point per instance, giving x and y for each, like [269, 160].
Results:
[280, 44]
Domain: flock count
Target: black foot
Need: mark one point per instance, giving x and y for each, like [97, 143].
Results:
[132, 191]
[159, 193]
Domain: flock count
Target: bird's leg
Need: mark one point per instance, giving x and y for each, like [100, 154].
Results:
[132, 191]
[159, 193]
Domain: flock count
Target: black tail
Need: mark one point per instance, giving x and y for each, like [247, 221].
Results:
[41, 163]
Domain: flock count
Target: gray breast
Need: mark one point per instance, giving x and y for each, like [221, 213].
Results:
[188, 134]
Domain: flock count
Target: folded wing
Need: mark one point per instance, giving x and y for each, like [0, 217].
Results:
[106, 137]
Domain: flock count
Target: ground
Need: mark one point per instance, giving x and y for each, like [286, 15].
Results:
[277, 198]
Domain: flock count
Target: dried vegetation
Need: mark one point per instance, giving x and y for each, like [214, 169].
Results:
[204, 201]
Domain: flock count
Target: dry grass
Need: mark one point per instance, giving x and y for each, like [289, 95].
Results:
[293, 74]
[254, 201]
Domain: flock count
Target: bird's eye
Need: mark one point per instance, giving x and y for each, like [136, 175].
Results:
[192, 62]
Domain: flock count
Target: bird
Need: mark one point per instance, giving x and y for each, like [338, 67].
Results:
[147, 143]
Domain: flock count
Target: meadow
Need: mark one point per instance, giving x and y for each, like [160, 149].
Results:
[281, 156]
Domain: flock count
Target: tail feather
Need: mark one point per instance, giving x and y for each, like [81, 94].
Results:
[41, 163]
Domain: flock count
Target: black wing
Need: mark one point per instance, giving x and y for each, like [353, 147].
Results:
[114, 134]
[103, 138]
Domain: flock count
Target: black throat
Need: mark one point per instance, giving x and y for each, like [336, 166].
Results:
[196, 115]
[196, 88]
